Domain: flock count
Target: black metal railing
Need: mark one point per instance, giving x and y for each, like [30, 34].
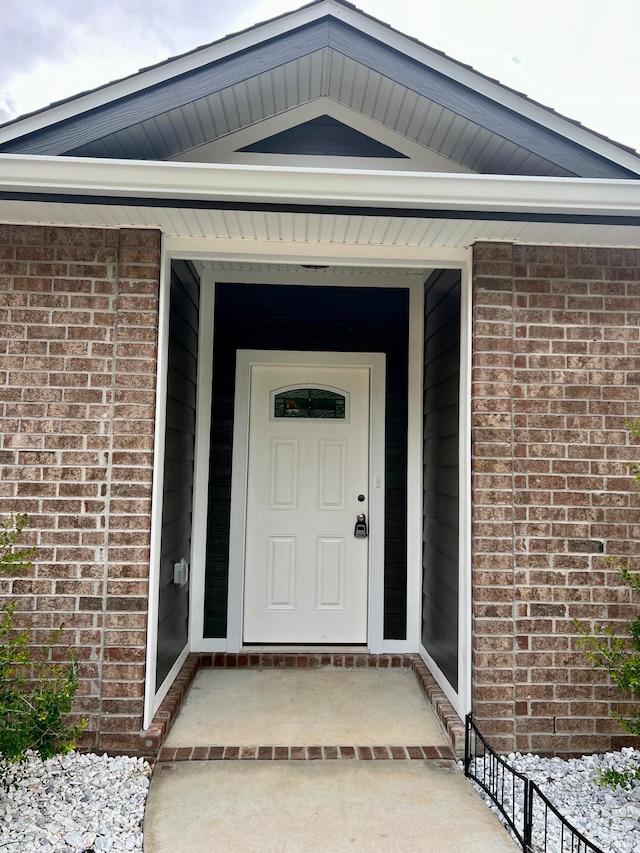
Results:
[534, 821]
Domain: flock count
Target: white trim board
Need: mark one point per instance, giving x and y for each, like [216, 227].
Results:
[225, 148]
[211, 182]
[151, 696]
[465, 592]
[414, 258]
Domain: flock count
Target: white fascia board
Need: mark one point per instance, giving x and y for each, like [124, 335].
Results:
[162, 72]
[298, 185]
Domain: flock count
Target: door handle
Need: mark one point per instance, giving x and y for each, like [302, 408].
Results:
[360, 531]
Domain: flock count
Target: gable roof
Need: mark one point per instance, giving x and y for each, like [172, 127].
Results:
[327, 52]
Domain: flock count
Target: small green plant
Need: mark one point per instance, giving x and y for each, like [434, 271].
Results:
[36, 693]
[620, 656]
[12, 559]
[613, 778]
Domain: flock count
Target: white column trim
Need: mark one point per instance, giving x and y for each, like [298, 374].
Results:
[465, 601]
[151, 701]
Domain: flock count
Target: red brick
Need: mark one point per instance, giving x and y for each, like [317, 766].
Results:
[567, 404]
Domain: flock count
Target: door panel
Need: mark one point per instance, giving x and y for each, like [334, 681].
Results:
[306, 575]
[284, 473]
[331, 474]
[281, 572]
[330, 572]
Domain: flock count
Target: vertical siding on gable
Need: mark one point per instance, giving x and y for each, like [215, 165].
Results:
[173, 607]
[441, 471]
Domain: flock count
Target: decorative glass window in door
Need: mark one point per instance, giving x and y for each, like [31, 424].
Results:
[309, 403]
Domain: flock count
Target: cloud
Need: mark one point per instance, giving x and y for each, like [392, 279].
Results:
[35, 30]
[75, 45]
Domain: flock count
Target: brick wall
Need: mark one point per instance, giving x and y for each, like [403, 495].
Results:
[556, 371]
[78, 313]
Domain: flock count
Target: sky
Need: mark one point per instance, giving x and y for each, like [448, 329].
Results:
[579, 57]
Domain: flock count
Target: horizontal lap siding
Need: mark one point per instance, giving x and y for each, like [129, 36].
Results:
[309, 318]
[556, 374]
[173, 606]
[441, 471]
[78, 310]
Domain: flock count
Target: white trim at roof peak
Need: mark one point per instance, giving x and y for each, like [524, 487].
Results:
[211, 183]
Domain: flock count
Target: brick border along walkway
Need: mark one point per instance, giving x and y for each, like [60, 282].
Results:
[302, 753]
[169, 708]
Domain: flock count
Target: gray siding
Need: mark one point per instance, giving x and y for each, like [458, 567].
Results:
[323, 136]
[343, 319]
[173, 612]
[441, 471]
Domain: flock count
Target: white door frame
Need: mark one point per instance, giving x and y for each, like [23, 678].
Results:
[414, 284]
[376, 364]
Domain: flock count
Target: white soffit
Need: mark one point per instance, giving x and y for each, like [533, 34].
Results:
[311, 237]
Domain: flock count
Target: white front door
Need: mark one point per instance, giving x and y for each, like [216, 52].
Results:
[306, 573]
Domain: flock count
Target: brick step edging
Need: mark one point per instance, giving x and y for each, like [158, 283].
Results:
[151, 740]
[303, 753]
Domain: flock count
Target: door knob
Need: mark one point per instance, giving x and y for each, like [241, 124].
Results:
[361, 531]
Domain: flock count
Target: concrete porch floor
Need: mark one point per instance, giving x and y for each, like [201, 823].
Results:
[355, 802]
[304, 707]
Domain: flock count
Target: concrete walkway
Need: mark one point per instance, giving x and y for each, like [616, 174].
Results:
[300, 805]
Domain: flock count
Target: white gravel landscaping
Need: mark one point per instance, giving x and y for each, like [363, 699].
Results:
[73, 803]
[608, 816]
